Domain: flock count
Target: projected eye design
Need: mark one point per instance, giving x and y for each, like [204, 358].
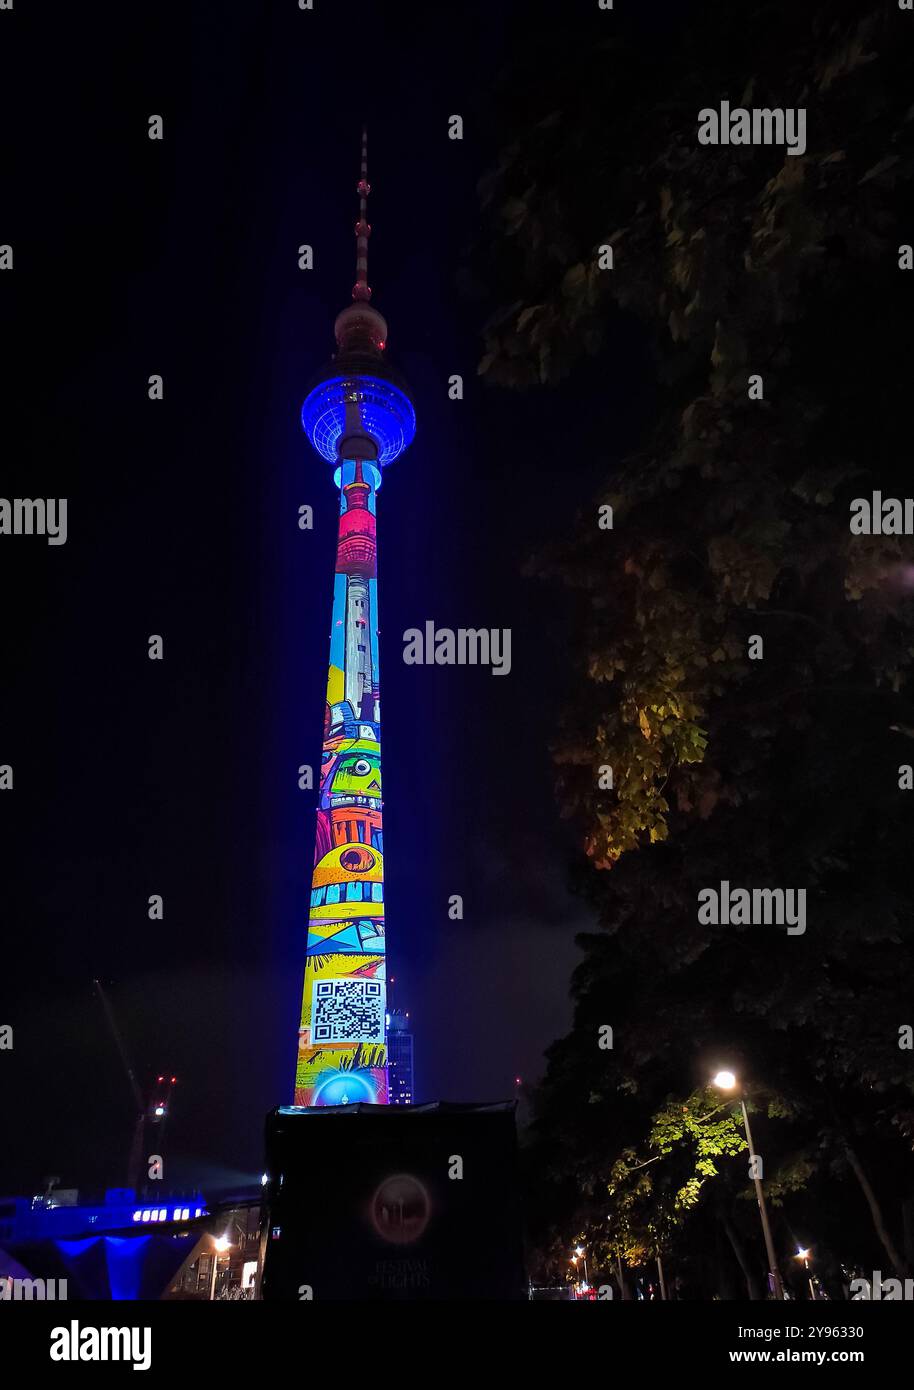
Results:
[357, 861]
[362, 767]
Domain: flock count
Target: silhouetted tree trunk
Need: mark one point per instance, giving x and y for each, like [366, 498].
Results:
[907, 1222]
[752, 1283]
[899, 1264]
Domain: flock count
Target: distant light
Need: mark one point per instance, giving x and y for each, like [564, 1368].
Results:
[222, 1244]
[173, 1080]
[801, 1254]
[185, 1213]
[264, 1180]
[137, 1215]
[160, 1109]
[579, 1250]
[176, 1214]
[725, 1080]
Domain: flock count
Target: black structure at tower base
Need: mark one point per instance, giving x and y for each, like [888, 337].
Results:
[392, 1203]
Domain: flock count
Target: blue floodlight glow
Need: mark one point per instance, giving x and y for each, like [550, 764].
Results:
[387, 415]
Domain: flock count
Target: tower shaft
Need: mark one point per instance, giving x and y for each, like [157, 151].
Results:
[342, 1041]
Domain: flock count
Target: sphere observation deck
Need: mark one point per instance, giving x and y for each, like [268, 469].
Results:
[385, 409]
[358, 407]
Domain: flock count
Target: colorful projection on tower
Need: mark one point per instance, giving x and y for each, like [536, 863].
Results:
[342, 1055]
[359, 416]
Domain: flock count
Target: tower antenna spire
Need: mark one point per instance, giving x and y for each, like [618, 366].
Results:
[361, 290]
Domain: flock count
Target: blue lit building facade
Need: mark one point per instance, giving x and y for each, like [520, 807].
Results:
[119, 1248]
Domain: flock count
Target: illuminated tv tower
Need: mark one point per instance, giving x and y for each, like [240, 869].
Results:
[359, 416]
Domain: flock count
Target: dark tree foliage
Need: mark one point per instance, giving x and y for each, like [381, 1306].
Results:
[731, 522]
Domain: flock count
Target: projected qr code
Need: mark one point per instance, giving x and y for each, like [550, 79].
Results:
[350, 1011]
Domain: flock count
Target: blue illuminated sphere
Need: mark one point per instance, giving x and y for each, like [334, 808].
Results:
[345, 1088]
[386, 411]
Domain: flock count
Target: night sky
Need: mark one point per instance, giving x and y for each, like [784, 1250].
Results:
[179, 777]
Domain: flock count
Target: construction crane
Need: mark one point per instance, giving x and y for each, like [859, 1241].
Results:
[157, 1109]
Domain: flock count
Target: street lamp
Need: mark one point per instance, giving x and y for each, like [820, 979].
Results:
[804, 1256]
[581, 1255]
[220, 1245]
[726, 1081]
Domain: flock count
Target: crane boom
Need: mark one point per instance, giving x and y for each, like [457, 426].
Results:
[134, 1162]
[116, 1032]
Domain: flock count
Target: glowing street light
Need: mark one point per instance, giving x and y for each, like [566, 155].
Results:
[804, 1256]
[220, 1245]
[726, 1081]
[580, 1254]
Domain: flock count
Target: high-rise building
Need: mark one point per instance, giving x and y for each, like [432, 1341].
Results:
[359, 416]
[400, 1056]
